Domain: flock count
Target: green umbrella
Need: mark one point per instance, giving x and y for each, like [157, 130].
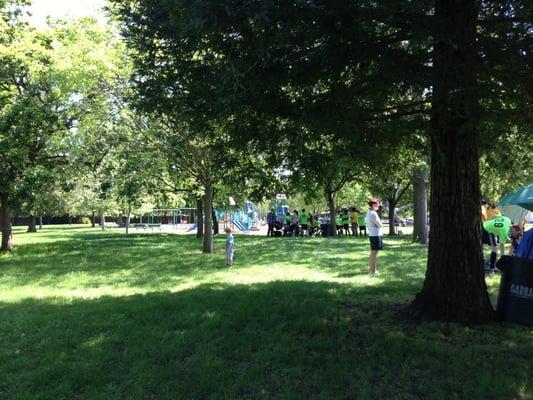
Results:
[523, 197]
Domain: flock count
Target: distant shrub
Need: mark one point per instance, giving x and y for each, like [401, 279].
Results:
[85, 221]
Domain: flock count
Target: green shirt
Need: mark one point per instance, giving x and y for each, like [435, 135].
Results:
[498, 226]
[304, 218]
[361, 220]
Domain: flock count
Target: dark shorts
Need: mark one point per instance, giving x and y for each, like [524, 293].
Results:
[493, 239]
[376, 242]
[304, 226]
[346, 226]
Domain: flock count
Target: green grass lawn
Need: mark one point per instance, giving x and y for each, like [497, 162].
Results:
[86, 314]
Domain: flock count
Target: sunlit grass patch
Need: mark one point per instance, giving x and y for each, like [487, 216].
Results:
[97, 315]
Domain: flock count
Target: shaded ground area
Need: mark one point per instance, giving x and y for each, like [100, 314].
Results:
[92, 315]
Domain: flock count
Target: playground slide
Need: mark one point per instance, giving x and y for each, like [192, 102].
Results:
[241, 226]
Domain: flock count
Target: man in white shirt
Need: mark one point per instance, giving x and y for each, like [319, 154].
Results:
[375, 234]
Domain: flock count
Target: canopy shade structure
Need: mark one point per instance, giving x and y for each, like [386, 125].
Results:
[523, 197]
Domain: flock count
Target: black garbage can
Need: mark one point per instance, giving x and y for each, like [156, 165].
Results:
[325, 230]
[515, 298]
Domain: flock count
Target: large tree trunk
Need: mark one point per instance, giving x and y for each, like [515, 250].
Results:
[208, 225]
[330, 197]
[93, 219]
[32, 225]
[40, 222]
[199, 218]
[392, 213]
[5, 223]
[420, 228]
[454, 288]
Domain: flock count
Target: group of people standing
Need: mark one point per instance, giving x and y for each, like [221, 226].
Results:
[301, 223]
[348, 221]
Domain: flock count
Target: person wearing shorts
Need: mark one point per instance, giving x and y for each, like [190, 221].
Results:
[338, 224]
[229, 247]
[345, 217]
[375, 235]
[354, 219]
[287, 220]
[498, 229]
[295, 224]
[362, 224]
[304, 222]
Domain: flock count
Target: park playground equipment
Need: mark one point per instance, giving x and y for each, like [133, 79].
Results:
[280, 206]
[244, 219]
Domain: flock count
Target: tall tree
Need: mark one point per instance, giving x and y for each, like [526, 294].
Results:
[357, 69]
[326, 162]
[391, 178]
[47, 80]
[33, 117]
[454, 288]
[420, 180]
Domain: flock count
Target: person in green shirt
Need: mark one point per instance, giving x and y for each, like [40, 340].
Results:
[498, 228]
[346, 221]
[362, 224]
[338, 222]
[287, 219]
[304, 222]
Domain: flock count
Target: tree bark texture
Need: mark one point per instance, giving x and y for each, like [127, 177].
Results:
[32, 225]
[102, 219]
[128, 219]
[199, 218]
[454, 288]
[93, 219]
[420, 229]
[120, 221]
[332, 213]
[208, 223]
[40, 222]
[392, 213]
[5, 222]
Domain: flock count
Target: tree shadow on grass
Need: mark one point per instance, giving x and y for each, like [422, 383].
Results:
[301, 340]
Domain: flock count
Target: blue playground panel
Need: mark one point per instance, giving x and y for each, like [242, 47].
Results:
[241, 226]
